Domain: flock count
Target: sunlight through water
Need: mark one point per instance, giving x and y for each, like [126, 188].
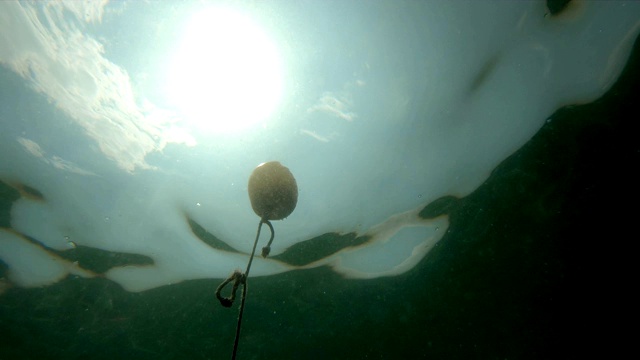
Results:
[225, 75]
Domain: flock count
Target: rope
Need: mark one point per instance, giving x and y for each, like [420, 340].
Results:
[238, 279]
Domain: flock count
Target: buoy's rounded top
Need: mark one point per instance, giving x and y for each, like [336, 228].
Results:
[273, 191]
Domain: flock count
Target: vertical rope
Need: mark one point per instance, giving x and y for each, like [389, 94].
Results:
[241, 279]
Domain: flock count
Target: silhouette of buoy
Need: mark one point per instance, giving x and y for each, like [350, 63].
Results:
[273, 191]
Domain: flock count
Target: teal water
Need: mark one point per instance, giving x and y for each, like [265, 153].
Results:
[527, 261]
[535, 265]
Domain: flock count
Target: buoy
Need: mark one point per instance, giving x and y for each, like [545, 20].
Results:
[273, 191]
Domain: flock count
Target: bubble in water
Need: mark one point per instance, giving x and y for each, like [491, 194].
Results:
[197, 204]
[106, 218]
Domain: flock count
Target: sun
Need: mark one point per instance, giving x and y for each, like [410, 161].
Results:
[226, 74]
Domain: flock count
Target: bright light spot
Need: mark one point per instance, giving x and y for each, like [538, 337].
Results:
[226, 74]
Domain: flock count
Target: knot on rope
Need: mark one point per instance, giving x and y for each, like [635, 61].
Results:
[238, 279]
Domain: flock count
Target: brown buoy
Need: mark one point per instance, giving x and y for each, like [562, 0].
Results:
[273, 193]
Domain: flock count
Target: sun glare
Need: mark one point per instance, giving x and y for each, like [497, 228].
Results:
[225, 75]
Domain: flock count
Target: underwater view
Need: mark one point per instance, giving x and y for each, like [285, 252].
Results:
[317, 179]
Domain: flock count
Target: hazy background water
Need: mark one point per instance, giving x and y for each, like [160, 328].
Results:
[530, 269]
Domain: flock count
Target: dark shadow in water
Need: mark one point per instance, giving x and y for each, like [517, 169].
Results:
[320, 247]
